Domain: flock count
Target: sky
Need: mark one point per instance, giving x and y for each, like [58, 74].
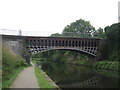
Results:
[119, 11]
[45, 17]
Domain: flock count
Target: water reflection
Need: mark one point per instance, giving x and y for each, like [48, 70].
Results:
[108, 73]
[72, 76]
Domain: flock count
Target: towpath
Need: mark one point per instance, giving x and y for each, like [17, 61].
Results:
[26, 79]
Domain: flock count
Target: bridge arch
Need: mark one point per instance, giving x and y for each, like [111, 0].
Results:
[41, 44]
[35, 51]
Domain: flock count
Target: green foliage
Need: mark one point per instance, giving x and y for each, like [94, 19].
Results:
[107, 65]
[56, 35]
[10, 63]
[83, 62]
[55, 57]
[6, 83]
[113, 38]
[99, 33]
[79, 28]
[112, 34]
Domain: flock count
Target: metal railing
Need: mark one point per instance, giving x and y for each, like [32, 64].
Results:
[25, 33]
[10, 32]
[45, 33]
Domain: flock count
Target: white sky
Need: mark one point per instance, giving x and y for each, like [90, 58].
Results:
[51, 16]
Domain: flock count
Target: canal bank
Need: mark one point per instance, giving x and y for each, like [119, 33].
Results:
[74, 76]
[33, 77]
[43, 79]
[105, 64]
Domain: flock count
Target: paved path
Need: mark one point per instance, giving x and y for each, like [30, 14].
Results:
[26, 79]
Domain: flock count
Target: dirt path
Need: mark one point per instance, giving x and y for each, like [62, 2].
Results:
[26, 79]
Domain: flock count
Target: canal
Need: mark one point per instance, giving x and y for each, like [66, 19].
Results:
[74, 76]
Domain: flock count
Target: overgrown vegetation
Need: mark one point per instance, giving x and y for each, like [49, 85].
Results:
[11, 66]
[113, 39]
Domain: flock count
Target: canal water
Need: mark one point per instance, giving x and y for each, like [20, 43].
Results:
[74, 76]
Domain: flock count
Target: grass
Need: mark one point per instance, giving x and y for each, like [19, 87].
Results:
[43, 82]
[11, 77]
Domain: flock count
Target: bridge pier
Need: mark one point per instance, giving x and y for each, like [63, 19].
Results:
[27, 58]
[103, 50]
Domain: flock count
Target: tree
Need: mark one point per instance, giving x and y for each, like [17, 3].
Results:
[113, 38]
[99, 33]
[80, 28]
[56, 35]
